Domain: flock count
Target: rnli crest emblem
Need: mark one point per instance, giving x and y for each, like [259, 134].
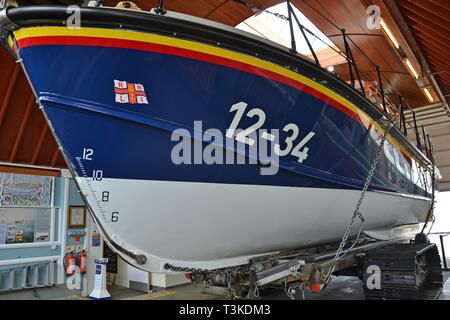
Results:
[127, 92]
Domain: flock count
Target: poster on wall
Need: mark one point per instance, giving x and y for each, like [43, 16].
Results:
[25, 225]
[42, 225]
[25, 190]
[95, 236]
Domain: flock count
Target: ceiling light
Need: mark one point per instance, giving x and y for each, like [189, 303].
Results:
[411, 68]
[386, 29]
[330, 68]
[428, 94]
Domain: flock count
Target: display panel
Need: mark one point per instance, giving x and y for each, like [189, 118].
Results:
[25, 190]
[23, 225]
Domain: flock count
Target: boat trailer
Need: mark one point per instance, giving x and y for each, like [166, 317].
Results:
[391, 269]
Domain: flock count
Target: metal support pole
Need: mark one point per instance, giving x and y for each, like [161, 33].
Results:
[404, 124]
[419, 145]
[293, 47]
[291, 11]
[431, 149]
[402, 117]
[351, 61]
[347, 55]
[160, 9]
[426, 146]
[433, 177]
[380, 84]
[443, 253]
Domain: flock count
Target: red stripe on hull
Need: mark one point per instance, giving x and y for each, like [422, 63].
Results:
[144, 46]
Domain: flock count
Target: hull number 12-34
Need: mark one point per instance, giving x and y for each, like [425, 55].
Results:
[259, 114]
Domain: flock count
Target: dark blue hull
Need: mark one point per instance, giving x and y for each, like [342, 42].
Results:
[133, 141]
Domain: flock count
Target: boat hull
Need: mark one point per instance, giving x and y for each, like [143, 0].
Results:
[210, 226]
[159, 174]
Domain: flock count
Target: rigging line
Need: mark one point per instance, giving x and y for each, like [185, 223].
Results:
[363, 53]
[260, 10]
[278, 15]
[262, 35]
[370, 60]
[331, 22]
[323, 41]
[329, 46]
[322, 15]
[215, 9]
[337, 27]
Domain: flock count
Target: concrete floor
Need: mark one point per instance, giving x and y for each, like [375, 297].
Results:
[340, 288]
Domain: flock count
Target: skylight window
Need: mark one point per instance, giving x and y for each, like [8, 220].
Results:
[276, 28]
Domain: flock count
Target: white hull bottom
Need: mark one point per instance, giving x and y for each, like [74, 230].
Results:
[210, 226]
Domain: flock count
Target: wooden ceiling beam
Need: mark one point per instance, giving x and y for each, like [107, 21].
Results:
[397, 11]
[445, 79]
[435, 50]
[424, 14]
[19, 136]
[29, 170]
[439, 63]
[441, 3]
[438, 66]
[215, 9]
[39, 144]
[9, 91]
[429, 6]
[428, 37]
[418, 24]
[55, 156]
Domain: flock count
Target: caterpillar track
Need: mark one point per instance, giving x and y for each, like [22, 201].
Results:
[408, 271]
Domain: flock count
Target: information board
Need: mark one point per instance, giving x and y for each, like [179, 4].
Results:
[24, 225]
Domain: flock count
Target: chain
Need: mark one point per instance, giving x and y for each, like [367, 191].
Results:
[170, 267]
[230, 292]
[357, 212]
